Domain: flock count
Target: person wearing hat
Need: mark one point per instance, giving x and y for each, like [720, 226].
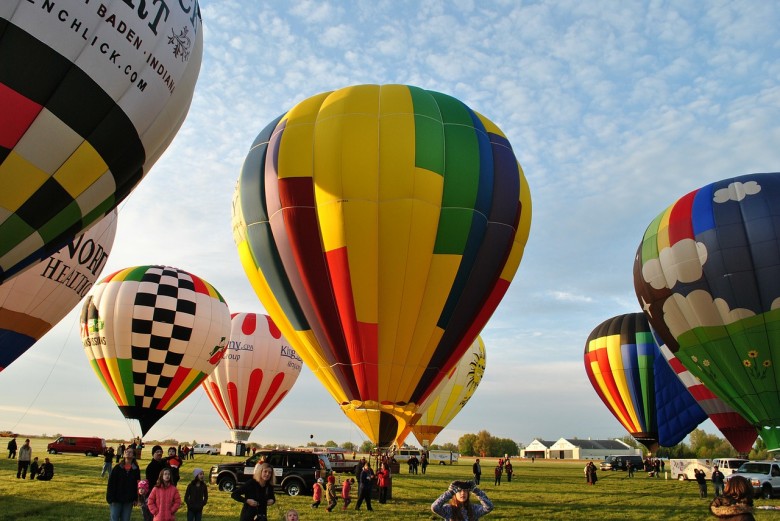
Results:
[174, 462]
[330, 493]
[317, 493]
[155, 466]
[122, 492]
[143, 499]
[196, 496]
[455, 504]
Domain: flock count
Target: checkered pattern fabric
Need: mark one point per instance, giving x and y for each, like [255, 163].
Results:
[163, 316]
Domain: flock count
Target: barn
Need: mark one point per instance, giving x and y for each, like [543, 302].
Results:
[576, 448]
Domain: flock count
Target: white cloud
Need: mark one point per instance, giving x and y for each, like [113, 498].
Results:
[736, 191]
[698, 309]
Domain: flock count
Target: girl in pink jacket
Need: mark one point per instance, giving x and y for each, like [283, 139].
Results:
[164, 500]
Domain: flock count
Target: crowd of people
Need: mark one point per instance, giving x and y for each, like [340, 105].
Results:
[155, 488]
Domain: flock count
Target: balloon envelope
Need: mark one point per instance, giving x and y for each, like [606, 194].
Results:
[619, 358]
[152, 334]
[381, 226]
[91, 94]
[451, 395]
[708, 276]
[36, 300]
[257, 372]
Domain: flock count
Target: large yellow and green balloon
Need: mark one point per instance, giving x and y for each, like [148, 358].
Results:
[707, 274]
[381, 226]
[91, 94]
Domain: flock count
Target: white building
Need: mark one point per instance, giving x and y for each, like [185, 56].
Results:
[577, 449]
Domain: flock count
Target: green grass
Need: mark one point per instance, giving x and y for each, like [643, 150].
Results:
[545, 490]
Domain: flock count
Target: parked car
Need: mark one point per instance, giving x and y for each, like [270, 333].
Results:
[204, 448]
[77, 444]
[295, 471]
[338, 459]
[763, 475]
[620, 462]
[728, 466]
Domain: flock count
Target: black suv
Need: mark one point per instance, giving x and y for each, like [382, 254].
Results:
[295, 471]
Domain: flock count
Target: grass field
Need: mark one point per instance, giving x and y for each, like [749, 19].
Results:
[544, 490]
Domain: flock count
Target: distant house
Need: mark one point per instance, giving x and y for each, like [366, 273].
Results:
[589, 449]
[538, 448]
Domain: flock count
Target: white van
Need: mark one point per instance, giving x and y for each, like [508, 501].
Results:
[404, 455]
[728, 465]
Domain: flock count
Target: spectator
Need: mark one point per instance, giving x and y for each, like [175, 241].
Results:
[174, 462]
[736, 502]
[155, 465]
[346, 488]
[164, 501]
[717, 480]
[143, 499]
[365, 487]
[316, 496]
[122, 488]
[330, 493]
[454, 503]
[47, 470]
[196, 496]
[25, 455]
[257, 494]
[12, 447]
[34, 468]
[108, 459]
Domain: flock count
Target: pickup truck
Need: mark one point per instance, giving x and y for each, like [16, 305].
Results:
[763, 475]
[204, 448]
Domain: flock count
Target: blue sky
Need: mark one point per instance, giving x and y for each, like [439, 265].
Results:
[614, 110]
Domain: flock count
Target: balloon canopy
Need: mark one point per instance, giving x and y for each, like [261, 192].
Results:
[257, 372]
[635, 382]
[708, 277]
[36, 300]
[91, 95]
[451, 395]
[152, 334]
[380, 227]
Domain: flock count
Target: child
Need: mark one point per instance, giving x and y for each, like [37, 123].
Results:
[330, 493]
[196, 496]
[345, 490]
[164, 500]
[291, 515]
[317, 495]
[34, 468]
[143, 497]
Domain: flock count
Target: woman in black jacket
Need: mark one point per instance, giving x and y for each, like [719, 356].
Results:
[257, 494]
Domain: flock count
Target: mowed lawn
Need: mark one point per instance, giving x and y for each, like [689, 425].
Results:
[553, 490]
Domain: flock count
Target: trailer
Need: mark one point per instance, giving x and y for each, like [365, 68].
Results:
[442, 457]
[682, 469]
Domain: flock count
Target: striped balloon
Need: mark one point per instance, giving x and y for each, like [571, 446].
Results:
[381, 226]
[152, 334]
[257, 372]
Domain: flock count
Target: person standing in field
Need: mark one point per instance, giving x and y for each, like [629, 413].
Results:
[367, 478]
[498, 471]
[476, 469]
[25, 456]
[346, 489]
[701, 479]
[257, 494]
[12, 447]
[108, 460]
[196, 496]
[383, 481]
[717, 480]
[509, 470]
[122, 488]
[454, 504]
[165, 500]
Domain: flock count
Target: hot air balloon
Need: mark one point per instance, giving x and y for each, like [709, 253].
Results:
[708, 277]
[380, 227]
[152, 334]
[257, 372]
[734, 427]
[620, 361]
[91, 95]
[451, 395]
[35, 301]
